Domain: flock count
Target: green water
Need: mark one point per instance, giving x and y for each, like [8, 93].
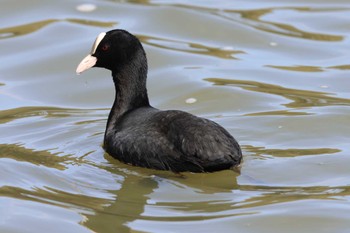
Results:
[274, 73]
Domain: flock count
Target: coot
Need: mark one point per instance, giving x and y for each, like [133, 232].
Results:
[142, 135]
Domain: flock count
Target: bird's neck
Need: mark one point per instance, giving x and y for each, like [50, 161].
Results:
[130, 90]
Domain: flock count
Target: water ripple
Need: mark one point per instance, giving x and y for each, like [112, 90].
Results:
[21, 30]
[300, 98]
[253, 18]
[189, 47]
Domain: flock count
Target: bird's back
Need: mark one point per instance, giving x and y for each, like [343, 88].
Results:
[172, 140]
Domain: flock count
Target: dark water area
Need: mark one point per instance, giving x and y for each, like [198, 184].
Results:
[275, 74]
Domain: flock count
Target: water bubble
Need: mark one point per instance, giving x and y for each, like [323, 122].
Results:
[86, 7]
[191, 100]
[227, 48]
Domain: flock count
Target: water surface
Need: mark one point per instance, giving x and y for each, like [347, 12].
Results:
[274, 73]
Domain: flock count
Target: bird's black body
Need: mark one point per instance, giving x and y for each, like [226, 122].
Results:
[171, 140]
[141, 135]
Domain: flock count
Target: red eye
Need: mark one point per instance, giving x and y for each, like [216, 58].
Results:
[105, 47]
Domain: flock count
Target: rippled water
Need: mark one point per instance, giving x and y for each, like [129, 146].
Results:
[274, 73]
